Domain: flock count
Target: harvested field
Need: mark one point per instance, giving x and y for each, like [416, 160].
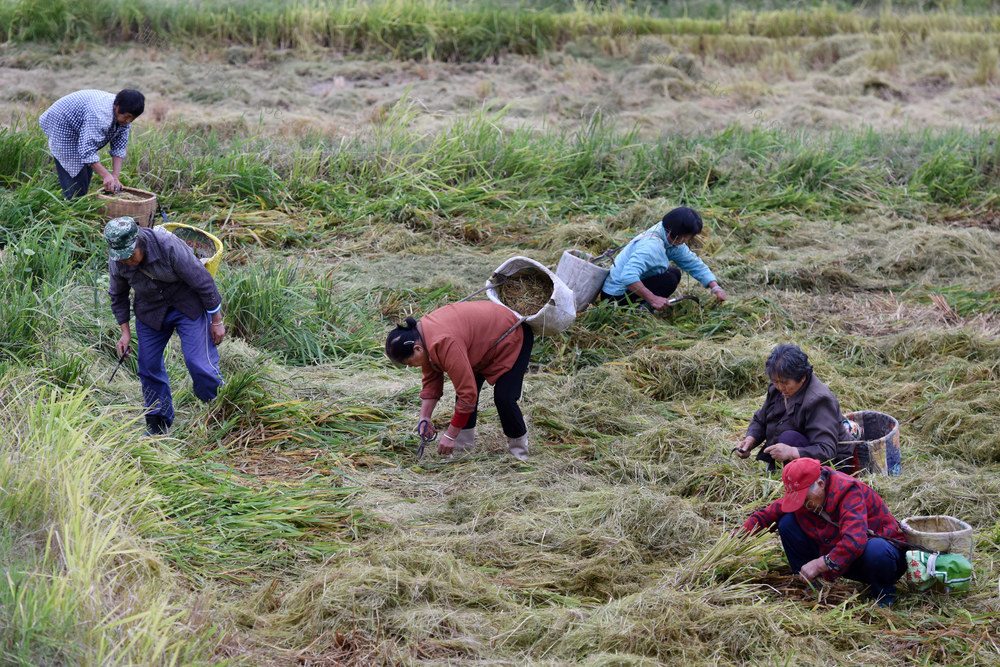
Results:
[365, 163]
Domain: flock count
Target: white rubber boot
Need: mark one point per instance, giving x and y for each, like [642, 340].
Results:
[518, 447]
[466, 440]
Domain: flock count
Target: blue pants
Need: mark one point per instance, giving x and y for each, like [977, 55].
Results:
[879, 566]
[74, 186]
[200, 355]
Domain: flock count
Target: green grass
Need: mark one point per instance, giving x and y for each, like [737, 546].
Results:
[290, 520]
[439, 30]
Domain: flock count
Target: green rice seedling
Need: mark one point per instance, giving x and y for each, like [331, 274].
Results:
[938, 256]
[667, 374]
[591, 403]
[949, 177]
[99, 591]
[987, 67]
[270, 306]
[20, 153]
[728, 557]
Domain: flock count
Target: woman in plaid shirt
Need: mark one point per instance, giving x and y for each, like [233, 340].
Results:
[82, 123]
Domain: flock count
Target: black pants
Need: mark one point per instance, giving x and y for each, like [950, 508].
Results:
[507, 391]
[662, 284]
[796, 439]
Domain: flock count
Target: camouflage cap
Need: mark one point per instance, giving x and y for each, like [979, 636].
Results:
[121, 233]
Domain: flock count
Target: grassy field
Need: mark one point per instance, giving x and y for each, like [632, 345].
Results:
[362, 163]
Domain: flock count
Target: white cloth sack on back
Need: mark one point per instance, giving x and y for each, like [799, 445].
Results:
[555, 316]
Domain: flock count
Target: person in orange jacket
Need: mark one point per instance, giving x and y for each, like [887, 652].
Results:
[472, 342]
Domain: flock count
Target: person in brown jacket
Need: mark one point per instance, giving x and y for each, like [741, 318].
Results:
[800, 417]
[471, 342]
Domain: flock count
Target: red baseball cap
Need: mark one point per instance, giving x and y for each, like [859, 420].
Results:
[798, 476]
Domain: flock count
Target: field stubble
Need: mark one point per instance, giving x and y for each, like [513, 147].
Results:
[292, 522]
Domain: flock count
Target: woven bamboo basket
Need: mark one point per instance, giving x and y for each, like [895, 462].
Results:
[141, 210]
[940, 533]
[205, 246]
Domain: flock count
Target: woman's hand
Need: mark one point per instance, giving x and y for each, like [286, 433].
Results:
[447, 442]
[782, 452]
[657, 302]
[745, 446]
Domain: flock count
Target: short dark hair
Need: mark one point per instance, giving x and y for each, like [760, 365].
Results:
[131, 102]
[682, 221]
[400, 341]
[788, 361]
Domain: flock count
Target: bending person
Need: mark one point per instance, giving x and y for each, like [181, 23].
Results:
[82, 123]
[833, 525]
[472, 342]
[173, 291]
[800, 417]
[642, 270]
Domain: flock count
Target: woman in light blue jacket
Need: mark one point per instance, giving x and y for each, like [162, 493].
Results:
[642, 270]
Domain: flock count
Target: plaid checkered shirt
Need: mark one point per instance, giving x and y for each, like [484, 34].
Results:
[851, 504]
[79, 125]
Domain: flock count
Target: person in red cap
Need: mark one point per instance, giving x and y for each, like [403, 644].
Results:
[832, 525]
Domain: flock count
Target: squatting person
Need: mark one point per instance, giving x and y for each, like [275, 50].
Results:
[173, 292]
[800, 417]
[471, 342]
[642, 272]
[832, 525]
[80, 124]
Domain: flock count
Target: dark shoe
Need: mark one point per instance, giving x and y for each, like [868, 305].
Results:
[155, 425]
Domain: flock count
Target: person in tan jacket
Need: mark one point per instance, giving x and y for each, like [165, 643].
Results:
[471, 342]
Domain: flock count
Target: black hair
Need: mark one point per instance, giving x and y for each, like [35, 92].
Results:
[131, 102]
[400, 341]
[788, 361]
[682, 221]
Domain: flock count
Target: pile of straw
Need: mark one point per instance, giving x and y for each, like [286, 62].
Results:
[526, 292]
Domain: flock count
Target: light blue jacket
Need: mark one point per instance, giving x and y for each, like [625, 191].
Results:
[649, 254]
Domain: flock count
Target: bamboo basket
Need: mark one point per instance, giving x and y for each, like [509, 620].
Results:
[878, 451]
[141, 210]
[940, 533]
[205, 246]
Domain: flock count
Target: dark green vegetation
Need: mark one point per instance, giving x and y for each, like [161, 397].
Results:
[290, 521]
[445, 30]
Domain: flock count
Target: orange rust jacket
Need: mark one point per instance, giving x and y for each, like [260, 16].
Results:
[459, 339]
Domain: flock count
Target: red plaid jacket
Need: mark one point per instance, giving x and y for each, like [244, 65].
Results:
[851, 504]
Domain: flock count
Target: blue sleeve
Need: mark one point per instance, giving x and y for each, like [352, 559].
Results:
[91, 139]
[644, 257]
[691, 263]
